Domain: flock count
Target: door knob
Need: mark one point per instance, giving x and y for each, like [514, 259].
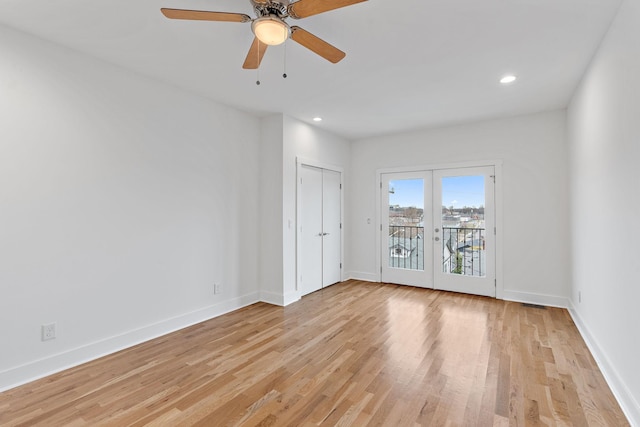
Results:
[437, 229]
[437, 239]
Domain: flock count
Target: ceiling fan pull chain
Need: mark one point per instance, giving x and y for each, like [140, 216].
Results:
[284, 75]
[258, 67]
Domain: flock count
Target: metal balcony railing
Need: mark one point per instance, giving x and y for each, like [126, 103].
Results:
[406, 247]
[463, 251]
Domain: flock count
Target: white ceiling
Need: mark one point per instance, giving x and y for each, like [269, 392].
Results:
[410, 64]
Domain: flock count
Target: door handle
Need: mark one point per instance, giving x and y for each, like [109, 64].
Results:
[437, 239]
[323, 234]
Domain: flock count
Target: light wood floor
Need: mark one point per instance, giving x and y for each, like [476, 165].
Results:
[352, 354]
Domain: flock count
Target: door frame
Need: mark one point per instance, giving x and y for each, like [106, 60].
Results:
[497, 165]
[301, 161]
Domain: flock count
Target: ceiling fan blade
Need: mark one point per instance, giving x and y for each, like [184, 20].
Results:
[201, 15]
[254, 57]
[317, 45]
[305, 8]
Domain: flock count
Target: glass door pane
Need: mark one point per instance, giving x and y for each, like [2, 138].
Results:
[463, 225]
[406, 226]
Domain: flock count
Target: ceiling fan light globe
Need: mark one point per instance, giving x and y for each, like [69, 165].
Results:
[270, 30]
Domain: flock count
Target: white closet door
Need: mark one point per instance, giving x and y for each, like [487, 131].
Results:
[331, 228]
[311, 229]
[320, 233]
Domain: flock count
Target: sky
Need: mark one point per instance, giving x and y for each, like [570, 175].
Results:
[457, 191]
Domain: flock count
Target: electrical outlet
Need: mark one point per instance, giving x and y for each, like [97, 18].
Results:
[48, 331]
[217, 288]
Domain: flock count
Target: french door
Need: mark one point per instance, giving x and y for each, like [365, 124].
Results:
[406, 214]
[438, 229]
[464, 230]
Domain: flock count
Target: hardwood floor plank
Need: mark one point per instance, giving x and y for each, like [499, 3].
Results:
[355, 353]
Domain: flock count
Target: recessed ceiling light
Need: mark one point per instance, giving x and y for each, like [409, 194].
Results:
[510, 78]
[317, 119]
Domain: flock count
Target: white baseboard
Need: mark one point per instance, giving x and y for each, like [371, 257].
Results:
[31, 371]
[540, 299]
[290, 298]
[359, 275]
[272, 298]
[626, 400]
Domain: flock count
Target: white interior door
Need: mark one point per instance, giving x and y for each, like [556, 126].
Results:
[310, 229]
[406, 215]
[331, 227]
[320, 235]
[464, 230]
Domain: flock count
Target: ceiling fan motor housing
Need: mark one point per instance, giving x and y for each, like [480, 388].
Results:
[274, 8]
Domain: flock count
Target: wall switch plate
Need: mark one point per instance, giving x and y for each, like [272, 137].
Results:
[217, 289]
[579, 296]
[48, 331]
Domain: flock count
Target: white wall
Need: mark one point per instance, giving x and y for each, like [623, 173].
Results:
[271, 265]
[604, 137]
[311, 143]
[121, 202]
[534, 217]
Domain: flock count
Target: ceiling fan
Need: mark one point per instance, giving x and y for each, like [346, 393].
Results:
[270, 27]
